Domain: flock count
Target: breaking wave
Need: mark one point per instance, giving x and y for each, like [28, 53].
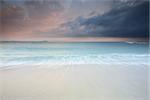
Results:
[128, 59]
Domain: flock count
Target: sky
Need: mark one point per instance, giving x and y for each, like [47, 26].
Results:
[74, 20]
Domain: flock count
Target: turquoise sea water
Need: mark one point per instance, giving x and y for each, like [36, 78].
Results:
[44, 53]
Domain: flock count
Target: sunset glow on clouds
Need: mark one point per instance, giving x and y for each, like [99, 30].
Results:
[21, 19]
[47, 19]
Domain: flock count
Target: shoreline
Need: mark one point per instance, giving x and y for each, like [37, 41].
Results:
[57, 66]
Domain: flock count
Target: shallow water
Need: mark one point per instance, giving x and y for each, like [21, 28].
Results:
[73, 53]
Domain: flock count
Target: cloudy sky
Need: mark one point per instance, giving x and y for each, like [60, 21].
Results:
[74, 20]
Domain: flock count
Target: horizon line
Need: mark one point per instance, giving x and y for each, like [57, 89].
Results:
[83, 39]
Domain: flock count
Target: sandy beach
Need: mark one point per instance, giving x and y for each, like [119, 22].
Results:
[75, 82]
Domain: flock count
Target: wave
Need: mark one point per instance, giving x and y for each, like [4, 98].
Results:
[109, 59]
[130, 42]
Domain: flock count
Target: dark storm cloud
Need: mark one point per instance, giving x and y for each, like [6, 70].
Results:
[125, 19]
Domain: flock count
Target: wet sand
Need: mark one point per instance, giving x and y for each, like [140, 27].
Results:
[74, 82]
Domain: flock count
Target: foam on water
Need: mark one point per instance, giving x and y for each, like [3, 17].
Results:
[75, 59]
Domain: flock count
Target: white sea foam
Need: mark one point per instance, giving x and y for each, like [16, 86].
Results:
[120, 59]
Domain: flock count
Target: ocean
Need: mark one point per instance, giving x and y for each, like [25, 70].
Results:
[73, 53]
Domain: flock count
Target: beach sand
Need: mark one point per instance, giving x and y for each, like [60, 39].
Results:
[74, 82]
